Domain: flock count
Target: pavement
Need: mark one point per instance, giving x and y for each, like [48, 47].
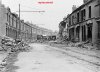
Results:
[3, 55]
[45, 58]
[79, 50]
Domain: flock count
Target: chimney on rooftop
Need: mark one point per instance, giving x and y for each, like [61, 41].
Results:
[74, 7]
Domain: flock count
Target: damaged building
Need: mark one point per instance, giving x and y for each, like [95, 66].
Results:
[83, 24]
[62, 26]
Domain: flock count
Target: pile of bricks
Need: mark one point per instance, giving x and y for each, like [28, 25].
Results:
[7, 47]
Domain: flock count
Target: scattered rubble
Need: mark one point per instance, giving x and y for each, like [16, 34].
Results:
[86, 45]
[9, 46]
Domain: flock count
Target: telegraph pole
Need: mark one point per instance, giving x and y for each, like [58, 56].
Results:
[19, 24]
[20, 18]
[19, 11]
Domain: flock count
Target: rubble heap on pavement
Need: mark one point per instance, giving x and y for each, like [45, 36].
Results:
[7, 47]
[87, 45]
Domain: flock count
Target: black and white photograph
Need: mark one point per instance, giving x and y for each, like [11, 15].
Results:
[49, 35]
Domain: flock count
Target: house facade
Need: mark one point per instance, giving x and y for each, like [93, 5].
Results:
[83, 24]
[12, 26]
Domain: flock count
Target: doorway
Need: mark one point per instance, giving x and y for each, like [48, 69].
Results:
[89, 36]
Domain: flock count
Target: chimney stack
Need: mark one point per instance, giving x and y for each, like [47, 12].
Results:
[74, 7]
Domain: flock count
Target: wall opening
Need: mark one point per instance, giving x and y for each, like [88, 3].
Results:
[89, 11]
[89, 36]
[77, 33]
[84, 33]
[71, 34]
[98, 30]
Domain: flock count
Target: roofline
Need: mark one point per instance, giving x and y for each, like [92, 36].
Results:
[80, 7]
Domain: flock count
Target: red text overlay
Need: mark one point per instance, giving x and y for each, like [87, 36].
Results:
[47, 2]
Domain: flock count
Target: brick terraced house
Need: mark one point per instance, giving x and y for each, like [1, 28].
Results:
[83, 24]
[11, 26]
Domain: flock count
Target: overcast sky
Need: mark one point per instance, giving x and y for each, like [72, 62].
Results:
[53, 14]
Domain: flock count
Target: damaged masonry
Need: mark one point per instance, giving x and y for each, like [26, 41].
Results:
[83, 24]
[26, 47]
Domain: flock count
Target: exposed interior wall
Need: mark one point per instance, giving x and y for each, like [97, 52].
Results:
[62, 25]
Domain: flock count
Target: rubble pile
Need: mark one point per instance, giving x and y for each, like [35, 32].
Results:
[9, 46]
[86, 45]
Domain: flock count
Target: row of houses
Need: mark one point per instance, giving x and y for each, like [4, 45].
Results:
[83, 24]
[12, 26]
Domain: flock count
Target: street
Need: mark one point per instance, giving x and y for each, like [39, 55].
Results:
[44, 58]
[49, 36]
